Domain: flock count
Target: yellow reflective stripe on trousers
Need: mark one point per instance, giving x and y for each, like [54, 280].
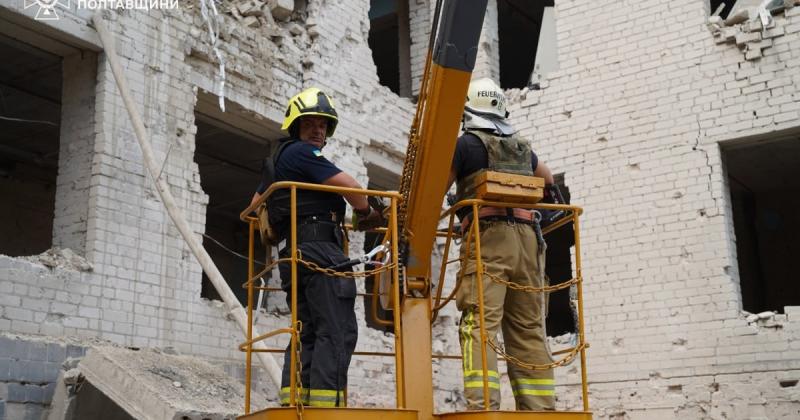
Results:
[533, 387]
[534, 382]
[285, 391]
[490, 373]
[467, 335]
[474, 379]
[325, 398]
[539, 392]
[479, 384]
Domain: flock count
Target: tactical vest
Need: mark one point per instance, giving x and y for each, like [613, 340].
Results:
[510, 155]
[308, 202]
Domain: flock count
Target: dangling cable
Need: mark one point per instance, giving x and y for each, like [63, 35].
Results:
[213, 33]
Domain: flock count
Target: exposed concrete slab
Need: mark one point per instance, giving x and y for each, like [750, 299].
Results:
[62, 406]
[76, 399]
[152, 385]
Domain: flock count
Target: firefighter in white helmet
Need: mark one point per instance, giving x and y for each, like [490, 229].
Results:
[512, 249]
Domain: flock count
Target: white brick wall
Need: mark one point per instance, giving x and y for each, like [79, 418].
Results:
[420, 14]
[144, 290]
[75, 154]
[634, 122]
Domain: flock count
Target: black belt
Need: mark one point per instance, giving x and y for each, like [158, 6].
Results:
[318, 231]
[317, 218]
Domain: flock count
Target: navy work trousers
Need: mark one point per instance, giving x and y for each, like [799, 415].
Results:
[329, 330]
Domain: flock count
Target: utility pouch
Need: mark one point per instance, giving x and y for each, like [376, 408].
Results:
[268, 235]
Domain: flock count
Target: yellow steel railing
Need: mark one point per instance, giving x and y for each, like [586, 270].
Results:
[293, 330]
[572, 215]
[391, 234]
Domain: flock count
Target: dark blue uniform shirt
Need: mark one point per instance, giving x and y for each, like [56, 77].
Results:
[303, 162]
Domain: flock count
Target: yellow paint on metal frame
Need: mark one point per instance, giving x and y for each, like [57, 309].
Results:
[440, 126]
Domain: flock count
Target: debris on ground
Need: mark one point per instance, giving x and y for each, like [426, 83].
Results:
[60, 258]
[151, 384]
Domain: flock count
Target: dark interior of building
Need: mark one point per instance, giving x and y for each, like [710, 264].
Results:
[723, 6]
[30, 115]
[764, 181]
[389, 42]
[230, 170]
[519, 24]
[91, 403]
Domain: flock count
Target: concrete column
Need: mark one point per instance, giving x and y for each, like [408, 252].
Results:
[487, 63]
[420, 16]
[75, 151]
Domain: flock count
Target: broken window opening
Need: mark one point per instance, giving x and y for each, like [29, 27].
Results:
[30, 120]
[229, 161]
[723, 8]
[390, 42]
[764, 182]
[558, 268]
[727, 8]
[380, 179]
[527, 42]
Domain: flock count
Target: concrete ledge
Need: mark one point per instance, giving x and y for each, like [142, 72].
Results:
[152, 385]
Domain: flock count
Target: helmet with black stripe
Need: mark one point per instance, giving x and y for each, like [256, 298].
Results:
[311, 101]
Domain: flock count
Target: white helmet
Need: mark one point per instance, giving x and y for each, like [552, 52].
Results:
[484, 97]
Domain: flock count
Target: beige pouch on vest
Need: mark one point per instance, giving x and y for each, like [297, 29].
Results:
[499, 186]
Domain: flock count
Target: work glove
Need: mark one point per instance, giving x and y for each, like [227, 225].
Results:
[367, 219]
[379, 204]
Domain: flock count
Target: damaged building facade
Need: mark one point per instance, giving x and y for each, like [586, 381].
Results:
[678, 134]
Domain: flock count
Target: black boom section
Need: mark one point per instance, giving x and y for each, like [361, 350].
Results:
[459, 33]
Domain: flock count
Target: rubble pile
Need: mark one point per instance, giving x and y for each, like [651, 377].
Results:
[766, 319]
[150, 384]
[255, 13]
[61, 258]
[751, 29]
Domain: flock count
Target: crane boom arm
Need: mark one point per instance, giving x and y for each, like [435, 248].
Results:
[448, 68]
[433, 135]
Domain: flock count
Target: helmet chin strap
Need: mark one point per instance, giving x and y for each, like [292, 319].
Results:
[497, 126]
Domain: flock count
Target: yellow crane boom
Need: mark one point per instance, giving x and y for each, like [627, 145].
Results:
[451, 57]
[454, 39]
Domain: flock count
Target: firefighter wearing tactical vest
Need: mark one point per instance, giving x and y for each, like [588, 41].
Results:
[512, 249]
[325, 304]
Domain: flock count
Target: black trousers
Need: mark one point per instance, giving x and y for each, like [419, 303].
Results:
[328, 338]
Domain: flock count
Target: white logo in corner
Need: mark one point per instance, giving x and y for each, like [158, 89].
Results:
[46, 8]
